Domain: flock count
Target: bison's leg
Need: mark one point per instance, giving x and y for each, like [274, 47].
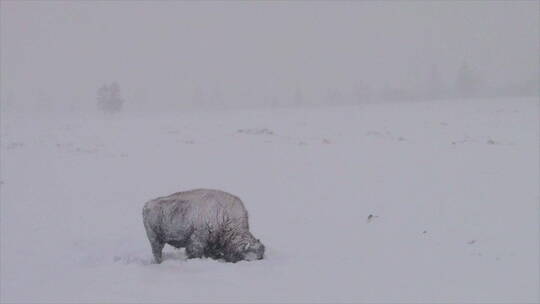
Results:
[194, 252]
[157, 248]
[195, 247]
[157, 245]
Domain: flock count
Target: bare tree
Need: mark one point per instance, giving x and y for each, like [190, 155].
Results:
[298, 96]
[362, 92]
[435, 84]
[109, 99]
[466, 83]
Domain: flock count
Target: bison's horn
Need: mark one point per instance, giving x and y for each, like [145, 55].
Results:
[246, 247]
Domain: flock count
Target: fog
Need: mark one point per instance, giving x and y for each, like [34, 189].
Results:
[385, 151]
[56, 54]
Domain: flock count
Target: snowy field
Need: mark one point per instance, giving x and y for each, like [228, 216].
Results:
[451, 187]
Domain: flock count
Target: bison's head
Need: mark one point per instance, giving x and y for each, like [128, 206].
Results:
[249, 250]
[253, 250]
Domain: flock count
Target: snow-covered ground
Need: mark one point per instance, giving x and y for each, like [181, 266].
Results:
[451, 187]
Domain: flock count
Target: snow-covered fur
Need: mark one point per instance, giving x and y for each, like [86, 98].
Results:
[208, 223]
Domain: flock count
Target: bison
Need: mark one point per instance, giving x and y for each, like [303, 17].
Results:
[207, 223]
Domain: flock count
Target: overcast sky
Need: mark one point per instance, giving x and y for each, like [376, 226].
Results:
[160, 51]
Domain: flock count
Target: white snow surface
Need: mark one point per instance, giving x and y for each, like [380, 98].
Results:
[452, 188]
